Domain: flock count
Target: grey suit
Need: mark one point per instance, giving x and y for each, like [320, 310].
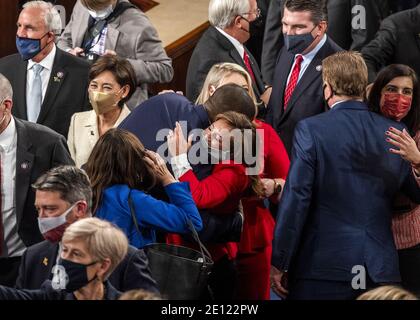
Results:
[131, 36]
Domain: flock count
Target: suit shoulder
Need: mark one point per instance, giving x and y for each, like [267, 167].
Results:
[9, 62]
[38, 132]
[72, 61]
[36, 248]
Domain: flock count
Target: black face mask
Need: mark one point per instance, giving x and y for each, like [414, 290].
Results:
[329, 98]
[76, 274]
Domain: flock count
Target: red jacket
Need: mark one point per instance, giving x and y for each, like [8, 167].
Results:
[221, 192]
[259, 223]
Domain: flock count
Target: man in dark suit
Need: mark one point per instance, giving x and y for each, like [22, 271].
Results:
[59, 190]
[49, 85]
[351, 24]
[27, 150]
[223, 42]
[153, 119]
[397, 41]
[297, 85]
[333, 236]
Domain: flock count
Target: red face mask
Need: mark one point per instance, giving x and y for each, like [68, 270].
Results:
[396, 106]
[55, 234]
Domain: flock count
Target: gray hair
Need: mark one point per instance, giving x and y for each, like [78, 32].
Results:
[103, 240]
[51, 15]
[6, 91]
[72, 183]
[222, 13]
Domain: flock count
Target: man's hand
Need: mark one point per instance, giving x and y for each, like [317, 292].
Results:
[265, 97]
[76, 51]
[278, 280]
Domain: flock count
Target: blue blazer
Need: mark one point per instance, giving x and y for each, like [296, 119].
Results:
[336, 210]
[151, 214]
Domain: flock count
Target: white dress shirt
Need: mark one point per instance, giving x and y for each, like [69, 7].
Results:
[238, 46]
[307, 59]
[47, 63]
[180, 165]
[8, 146]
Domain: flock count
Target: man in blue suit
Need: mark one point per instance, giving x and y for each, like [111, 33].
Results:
[152, 120]
[333, 235]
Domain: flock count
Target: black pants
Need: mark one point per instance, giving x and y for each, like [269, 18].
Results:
[9, 270]
[222, 280]
[410, 268]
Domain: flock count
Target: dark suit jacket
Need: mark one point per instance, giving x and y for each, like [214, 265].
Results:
[66, 93]
[336, 209]
[39, 149]
[46, 292]
[397, 41]
[214, 48]
[162, 112]
[307, 99]
[38, 260]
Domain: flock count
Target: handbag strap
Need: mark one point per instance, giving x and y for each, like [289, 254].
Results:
[140, 230]
[204, 252]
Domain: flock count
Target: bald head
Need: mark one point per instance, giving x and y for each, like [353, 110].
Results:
[6, 91]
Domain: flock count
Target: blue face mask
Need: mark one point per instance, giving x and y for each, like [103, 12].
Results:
[298, 43]
[29, 48]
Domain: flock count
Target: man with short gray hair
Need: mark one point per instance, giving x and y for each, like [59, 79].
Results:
[49, 84]
[63, 196]
[224, 42]
[27, 150]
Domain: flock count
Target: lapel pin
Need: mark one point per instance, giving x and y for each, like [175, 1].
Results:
[24, 165]
[45, 261]
[59, 76]
[318, 68]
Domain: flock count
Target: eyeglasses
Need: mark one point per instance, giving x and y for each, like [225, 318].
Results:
[257, 12]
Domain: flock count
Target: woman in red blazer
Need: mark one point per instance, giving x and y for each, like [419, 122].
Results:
[222, 190]
[253, 260]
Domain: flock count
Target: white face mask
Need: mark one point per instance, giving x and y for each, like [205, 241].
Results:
[48, 224]
[101, 14]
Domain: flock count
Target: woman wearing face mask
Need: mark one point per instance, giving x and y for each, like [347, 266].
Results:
[253, 261]
[395, 94]
[121, 169]
[223, 189]
[91, 250]
[111, 84]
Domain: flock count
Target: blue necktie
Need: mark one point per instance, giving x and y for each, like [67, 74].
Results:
[35, 94]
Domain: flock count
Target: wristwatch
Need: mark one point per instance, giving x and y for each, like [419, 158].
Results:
[277, 186]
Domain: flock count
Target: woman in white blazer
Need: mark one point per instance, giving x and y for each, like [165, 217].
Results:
[111, 84]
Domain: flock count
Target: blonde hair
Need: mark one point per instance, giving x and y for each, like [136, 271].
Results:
[95, 4]
[103, 240]
[217, 73]
[388, 293]
[346, 72]
[139, 294]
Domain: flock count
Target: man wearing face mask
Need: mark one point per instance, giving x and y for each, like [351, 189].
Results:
[297, 84]
[49, 84]
[117, 27]
[332, 237]
[224, 42]
[27, 150]
[64, 196]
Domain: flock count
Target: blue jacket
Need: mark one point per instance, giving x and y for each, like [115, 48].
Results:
[336, 209]
[152, 214]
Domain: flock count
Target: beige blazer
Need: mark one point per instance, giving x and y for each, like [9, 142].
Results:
[83, 134]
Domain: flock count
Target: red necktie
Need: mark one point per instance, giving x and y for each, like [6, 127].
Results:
[248, 66]
[294, 77]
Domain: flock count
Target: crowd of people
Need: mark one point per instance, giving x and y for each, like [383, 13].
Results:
[300, 172]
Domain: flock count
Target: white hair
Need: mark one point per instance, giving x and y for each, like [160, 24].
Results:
[51, 15]
[222, 13]
[6, 91]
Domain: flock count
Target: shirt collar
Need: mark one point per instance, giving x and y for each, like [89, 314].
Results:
[47, 62]
[238, 46]
[7, 137]
[310, 55]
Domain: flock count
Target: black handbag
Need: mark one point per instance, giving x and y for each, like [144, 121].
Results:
[181, 273]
